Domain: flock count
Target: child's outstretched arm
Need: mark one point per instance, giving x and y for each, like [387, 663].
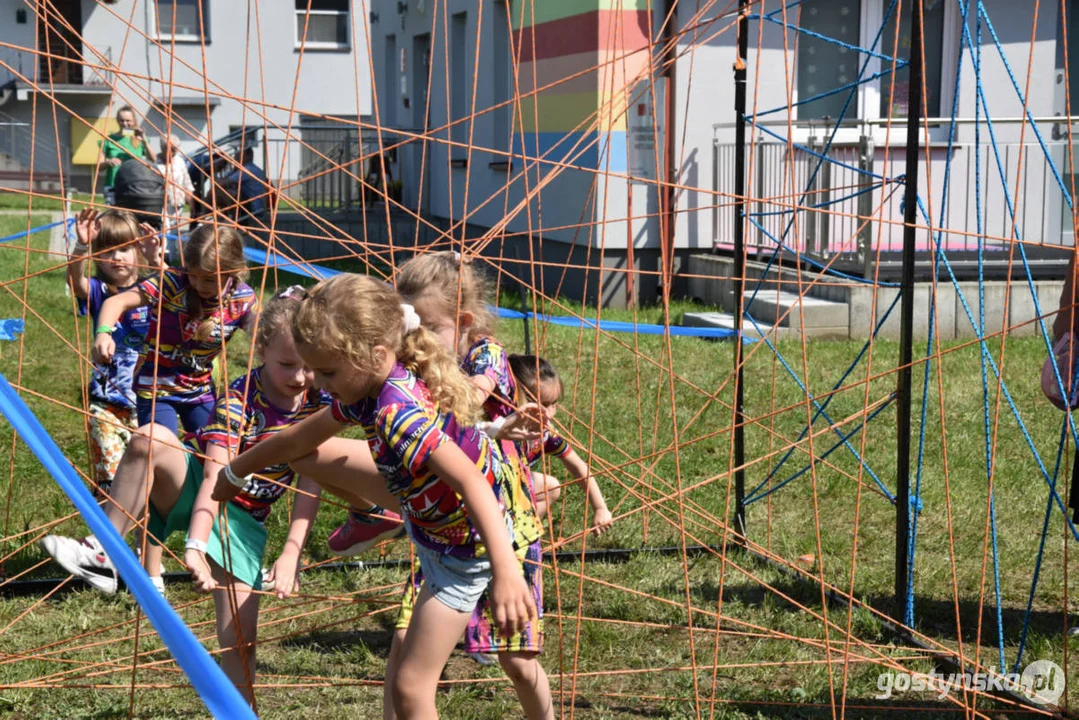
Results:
[290, 444]
[579, 470]
[111, 312]
[285, 572]
[511, 600]
[202, 519]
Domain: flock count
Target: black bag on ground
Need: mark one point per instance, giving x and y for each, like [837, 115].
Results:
[139, 187]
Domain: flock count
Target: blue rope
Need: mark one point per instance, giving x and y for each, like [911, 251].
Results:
[820, 266]
[831, 396]
[816, 403]
[826, 203]
[829, 93]
[842, 440]
[831, 40]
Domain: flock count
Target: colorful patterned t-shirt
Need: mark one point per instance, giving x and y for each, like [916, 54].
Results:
[550, 445]
[114, 384]
[403, 427]
[488, 358]
[182, 362]
[244, 417]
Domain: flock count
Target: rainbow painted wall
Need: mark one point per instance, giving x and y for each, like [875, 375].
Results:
[577, 59]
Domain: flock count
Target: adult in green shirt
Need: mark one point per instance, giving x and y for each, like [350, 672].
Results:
[130, 142]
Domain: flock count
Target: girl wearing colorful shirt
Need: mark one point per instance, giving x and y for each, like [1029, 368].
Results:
[540, 383]
[227, 556]
[194, 311]
[394, 379]
[121, 248]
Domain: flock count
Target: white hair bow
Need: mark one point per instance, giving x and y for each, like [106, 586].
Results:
[411, 319]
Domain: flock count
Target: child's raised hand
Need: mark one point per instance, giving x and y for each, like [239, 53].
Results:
[201, 575]
[285, 575]
[523, 425]
[104, 347]
[87, 226]
[512, 604]
[602, 522]
[152, 244]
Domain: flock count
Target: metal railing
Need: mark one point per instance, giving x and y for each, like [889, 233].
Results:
[18, 141]
[331, 159]
[843, 206]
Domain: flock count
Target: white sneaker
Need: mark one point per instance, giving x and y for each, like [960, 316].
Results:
[159, 583]
[84, 559]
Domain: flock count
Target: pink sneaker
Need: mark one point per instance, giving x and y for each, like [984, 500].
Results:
[361, 532]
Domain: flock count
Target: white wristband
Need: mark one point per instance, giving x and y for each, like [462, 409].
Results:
[491, 427]
[193, 544]
[80, 248]
[235, 479]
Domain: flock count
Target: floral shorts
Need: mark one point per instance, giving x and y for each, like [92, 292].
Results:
[110, 432]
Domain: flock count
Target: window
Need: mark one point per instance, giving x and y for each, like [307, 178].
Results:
[933, 23]
[325, 22]
[183, 20]
[459, 74]
[825, 65]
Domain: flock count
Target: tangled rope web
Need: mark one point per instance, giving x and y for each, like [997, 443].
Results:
[752, 567]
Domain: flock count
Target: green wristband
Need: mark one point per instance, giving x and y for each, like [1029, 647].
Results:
[103, 329]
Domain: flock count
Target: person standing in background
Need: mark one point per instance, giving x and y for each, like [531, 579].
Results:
[179, 190]
[129, 142]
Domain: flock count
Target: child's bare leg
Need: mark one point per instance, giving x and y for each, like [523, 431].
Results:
[547, 491]
[391, 671]
[345, 468]
[236, 632]
[431, 637]
[530, 681]
[151, 559]
[165, 477]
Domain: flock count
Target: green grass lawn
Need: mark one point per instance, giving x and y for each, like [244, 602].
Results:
[619, 641]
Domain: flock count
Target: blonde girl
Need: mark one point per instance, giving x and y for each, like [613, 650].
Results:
[394, 379]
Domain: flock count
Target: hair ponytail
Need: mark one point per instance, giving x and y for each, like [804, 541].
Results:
[423, 353]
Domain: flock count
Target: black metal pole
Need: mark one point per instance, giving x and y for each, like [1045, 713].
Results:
[740, 265]
[906, 333]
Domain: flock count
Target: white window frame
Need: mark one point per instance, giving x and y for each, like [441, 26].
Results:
[170, 37]
[301, 44]
[868, 94]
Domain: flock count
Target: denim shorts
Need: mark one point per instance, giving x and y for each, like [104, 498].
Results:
[455, 582]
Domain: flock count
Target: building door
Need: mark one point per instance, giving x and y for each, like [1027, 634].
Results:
[58, 28]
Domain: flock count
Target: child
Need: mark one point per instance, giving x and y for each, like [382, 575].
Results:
[193, 313]
[114, 238]
[392, 377]
[257, 406]
[431, 283]
[540, 383]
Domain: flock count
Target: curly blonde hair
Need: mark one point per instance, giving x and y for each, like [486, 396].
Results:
[453, 284]
[349, 315]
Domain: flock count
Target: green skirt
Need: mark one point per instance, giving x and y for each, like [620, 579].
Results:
[246, 540]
